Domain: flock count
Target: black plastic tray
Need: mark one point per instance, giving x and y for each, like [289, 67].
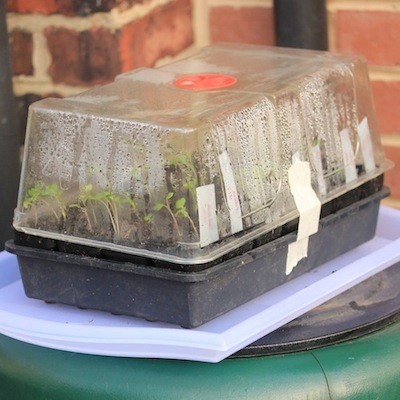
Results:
[187, 298]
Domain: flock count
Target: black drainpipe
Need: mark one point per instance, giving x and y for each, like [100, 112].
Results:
[9, 140]
[301, 24]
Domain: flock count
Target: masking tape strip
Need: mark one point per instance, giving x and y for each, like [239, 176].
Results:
[309, 207]
[296, 251]
[207, 210]
[232, 197]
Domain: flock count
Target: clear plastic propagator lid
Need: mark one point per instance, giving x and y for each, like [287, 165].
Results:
[187, 162]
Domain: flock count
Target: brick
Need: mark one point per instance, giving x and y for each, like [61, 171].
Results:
[166, 31]
[67, 7]
[83, 8]
[45, 7]
[387, 105]
[392, 177]
[82, 58]
[21, 46]
[253, 25]
[375, 34]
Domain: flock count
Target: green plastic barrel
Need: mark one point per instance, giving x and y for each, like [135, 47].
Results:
[364, 368]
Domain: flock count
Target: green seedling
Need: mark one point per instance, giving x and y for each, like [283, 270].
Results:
[47, 195]
[184, 162]
[112, 202]
[127, 199]
[159, 206]
[262, 173]
[180, 207]
[109, 200]
[85, 204]
[179, 210]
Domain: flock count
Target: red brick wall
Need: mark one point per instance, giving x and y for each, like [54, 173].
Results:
[90, 42]
[60, 47]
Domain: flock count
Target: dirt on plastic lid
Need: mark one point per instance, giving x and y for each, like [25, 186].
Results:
[205, 81]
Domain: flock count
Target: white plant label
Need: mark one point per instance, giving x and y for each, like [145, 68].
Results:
[207, 210]
[350, 169]
[366, 145]
[309, 207]
[232, 197]
[316, 153]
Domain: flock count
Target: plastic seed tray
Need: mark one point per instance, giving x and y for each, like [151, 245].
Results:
[190, 299]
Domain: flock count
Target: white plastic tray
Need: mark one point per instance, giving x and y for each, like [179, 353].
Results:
[92, 332]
